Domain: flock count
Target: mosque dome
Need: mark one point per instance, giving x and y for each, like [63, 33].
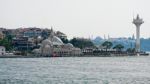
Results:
[46, 41]
[69, 45]
[56, 41]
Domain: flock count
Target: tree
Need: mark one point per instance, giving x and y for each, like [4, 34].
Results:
[107, 44]
[6, 43]
[130, 50]
[9, 38]
[64, 40]
[81, 43]
[119, 47]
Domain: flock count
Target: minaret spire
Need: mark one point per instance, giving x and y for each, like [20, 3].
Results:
[138, 21]
[51, 32]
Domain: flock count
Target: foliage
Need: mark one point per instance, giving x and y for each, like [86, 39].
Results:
[107, 44]
[81, 43]
[6, 42]
[131, 50]
[118, 47]
[64, 40]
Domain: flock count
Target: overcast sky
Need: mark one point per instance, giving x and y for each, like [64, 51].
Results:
[77, 18]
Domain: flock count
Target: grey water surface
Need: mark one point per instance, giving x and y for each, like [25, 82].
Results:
[75, 70]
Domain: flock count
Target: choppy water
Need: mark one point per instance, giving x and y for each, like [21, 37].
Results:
[75, 70]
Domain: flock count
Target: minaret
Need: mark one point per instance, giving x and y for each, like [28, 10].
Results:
[133, 38]
[137, 21]
[104, 37]
[52, 32]
[108, 37]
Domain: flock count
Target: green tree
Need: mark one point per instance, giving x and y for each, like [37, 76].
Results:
[107, 44]
[64, 40]
[119, 47]
[6, 43]
[9, 38]
[81, 43]
[131, 50]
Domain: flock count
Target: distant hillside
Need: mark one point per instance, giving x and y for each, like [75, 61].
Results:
[127, 42]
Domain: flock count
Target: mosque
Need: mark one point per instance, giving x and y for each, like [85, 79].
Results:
[53, 46]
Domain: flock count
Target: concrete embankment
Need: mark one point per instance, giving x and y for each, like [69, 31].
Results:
[16, 56]
[34, 56]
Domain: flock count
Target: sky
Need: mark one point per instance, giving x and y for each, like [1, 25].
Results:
[78, 18]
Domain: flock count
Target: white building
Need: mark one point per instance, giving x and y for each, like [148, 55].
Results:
[53, 46]
[2, 50]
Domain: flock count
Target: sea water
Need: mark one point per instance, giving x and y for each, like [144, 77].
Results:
[75, 70]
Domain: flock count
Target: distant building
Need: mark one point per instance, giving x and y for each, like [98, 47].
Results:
[1, 35]
[22, 44]
[6, 32]
[2, 50]
[45, 33]
[32, 32]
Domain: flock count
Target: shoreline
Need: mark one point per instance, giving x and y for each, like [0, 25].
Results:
[33, 56]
